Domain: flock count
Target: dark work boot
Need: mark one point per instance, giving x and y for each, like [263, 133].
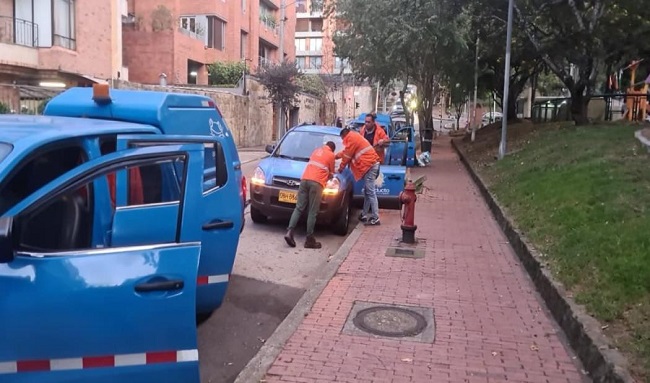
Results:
[289, 238]
[311, 243]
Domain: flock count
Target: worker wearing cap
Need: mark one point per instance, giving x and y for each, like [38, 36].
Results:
[319, 170]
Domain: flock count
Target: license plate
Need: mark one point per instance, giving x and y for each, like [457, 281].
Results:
[288, 196]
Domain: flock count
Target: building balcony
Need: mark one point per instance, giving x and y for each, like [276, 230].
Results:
[269, 33]
[310, 15]
[18, 32]
[309, 53]
[18, 42]
[310, 34]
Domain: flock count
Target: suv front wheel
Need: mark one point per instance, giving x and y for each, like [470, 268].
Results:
[342, 223]
[257, 216]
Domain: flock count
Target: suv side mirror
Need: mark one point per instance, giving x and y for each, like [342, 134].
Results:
[269, 148]
[6, 243]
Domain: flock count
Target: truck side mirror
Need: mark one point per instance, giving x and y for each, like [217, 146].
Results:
[269, 148]
[6, 244]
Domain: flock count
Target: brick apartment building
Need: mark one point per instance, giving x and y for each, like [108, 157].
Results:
[313, 42]
[315, 55]
[47, 45]
[177, 39]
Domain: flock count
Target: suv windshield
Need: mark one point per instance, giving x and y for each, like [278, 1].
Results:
[299, 145]
[5, 149]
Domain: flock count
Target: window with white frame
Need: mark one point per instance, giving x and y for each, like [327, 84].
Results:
[64, 24]
[315, 44]
[315, 62]
[301, 62]
[301, 45]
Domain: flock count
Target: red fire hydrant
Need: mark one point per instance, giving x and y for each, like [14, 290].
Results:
[408, 198]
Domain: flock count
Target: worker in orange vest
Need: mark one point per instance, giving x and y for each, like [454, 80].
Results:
[319, 170]
[364, 163]
[376, 136]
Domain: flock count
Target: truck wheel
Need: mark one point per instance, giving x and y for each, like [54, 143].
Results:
[257, 215]
[342, 223]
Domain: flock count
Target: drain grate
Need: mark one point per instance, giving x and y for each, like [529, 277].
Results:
[389, 321]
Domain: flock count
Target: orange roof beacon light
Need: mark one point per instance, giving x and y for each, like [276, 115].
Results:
[101, 94]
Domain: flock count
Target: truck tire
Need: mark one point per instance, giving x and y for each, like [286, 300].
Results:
[342, 223]
[257, 215]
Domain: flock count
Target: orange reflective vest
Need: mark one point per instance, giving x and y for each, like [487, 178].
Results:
[358, 153]
[380, 138]
[320, 165]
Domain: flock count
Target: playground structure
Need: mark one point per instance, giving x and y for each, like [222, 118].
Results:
[636, 97]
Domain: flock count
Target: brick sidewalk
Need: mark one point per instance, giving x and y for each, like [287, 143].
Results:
[489, 323]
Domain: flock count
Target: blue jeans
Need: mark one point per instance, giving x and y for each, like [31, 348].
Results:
[370, 203]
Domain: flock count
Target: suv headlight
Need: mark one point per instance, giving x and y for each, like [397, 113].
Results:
[259, 177]
[332, 187]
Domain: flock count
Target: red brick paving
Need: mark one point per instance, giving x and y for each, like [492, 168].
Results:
[490, 325]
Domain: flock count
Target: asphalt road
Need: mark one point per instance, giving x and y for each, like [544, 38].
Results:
[268, 279]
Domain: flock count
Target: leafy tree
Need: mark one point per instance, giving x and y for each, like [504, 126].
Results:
[4, 108]
[225, 73]
[389, 39]
[579, 40]
[489, 23]
[548, 84]
[281, 81]
[313, 85]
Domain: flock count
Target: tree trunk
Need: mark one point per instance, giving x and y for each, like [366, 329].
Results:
[579, 106]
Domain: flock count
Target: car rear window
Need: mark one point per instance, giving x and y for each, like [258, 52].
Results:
[5, 149]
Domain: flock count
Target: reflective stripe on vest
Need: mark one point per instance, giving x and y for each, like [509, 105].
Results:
[360, 153]
[318, 165]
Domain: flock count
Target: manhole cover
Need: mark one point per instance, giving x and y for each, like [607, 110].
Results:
[390, 321]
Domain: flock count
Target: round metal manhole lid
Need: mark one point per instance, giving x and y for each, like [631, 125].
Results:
[390, 321]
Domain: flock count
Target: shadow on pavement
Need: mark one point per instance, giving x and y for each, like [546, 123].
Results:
[251, 312]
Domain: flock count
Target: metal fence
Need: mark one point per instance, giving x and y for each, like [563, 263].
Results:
[605, 107]
[18, 31]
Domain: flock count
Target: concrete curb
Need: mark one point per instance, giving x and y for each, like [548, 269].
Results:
[257, 367]
[604, 363]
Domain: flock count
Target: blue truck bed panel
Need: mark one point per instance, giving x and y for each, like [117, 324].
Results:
[167, 111]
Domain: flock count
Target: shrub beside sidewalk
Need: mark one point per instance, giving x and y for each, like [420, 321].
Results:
[582, 197]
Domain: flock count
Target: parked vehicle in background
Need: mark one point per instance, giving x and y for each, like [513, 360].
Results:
[491, 117]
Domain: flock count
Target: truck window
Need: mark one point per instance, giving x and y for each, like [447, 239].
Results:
[36, 171]
[65, 222]
[215, 172]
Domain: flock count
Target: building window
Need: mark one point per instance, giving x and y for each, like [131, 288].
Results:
[301, 45]
[302, 25]
[64, 24]
[317, 25]
[315, 62]
[339, 63]
[216, 33]
[301, 6]
[301, 62]
[243, 47]
[315, 45]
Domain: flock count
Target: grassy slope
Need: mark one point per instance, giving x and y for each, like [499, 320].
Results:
[582, 196]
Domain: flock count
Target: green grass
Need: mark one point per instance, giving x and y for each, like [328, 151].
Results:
[582, 196]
